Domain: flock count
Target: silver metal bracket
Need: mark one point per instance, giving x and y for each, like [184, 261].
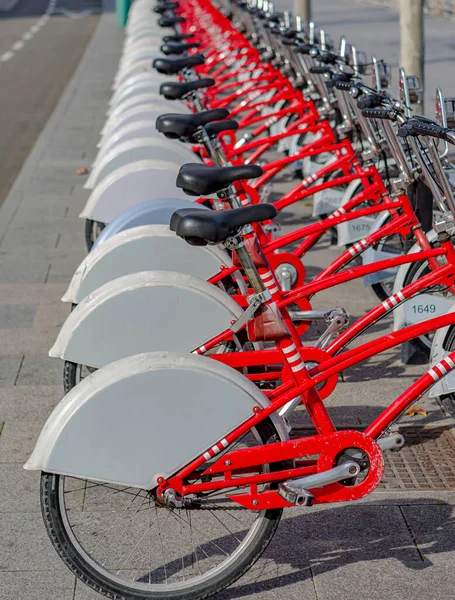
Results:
[296, 491]
[272, 228]
[254, 301]
[337, 319]
[444, 224]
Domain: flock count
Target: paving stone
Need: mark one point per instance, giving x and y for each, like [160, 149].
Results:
[37, 585]
[17, 315]
[25, 543]
[384, 578]
[9, 368]
[35, 294]
[19, 491]
[40, 370]
[342, 534]
[17, 342]
[433, 528]
[22, 403]
[18, 439]
[13, 271]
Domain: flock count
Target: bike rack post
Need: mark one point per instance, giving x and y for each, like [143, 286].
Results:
[302, 8]
[122, 8]
[412, 41]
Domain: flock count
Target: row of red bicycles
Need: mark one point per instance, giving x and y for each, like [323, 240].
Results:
[168, 463]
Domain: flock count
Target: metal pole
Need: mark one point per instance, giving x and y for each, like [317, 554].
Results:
[302, 8]
[412, 46]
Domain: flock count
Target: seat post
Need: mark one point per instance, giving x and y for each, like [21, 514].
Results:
[230, 195]
[236, 243]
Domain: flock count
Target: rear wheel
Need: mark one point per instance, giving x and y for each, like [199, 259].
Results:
[125, 544]
[92, 231]
[417, 271]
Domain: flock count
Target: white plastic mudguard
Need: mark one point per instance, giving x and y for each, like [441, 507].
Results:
[371, 255]
[149, 82]
[355, 230]
[138, 113]
[130, 185]
[399, 318]
[147, 248]
[135, 150]
[327, 201]
[137, 129]
[144, 312]
[143, 417]
[445, 385]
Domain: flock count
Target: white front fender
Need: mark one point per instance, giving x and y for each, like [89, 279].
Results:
[145, 416]
[399, 320]
[146, 248]
[144, 312]
[445, 385]
[129, 185]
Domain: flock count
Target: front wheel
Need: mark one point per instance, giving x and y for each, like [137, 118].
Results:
[126, 545]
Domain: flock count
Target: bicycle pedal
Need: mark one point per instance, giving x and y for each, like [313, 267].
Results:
[296, 497]
[296, 491]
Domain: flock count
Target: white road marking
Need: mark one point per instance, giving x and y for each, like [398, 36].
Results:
[6, 56]
[17, 46]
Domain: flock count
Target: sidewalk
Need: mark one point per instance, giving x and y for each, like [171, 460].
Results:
[397, 543]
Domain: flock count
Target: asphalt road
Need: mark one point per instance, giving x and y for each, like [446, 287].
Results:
[36, 63]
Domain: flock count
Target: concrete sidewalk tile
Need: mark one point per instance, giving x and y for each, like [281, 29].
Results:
[19, 491]
[17, 342]
[40, 370]
[342, 534]
[22, 403]
[13, 316]
[39, 294]
[13, 270]
[25, 543]
[384, 579]
[49, 317]
[37, 585]
[9, 369]
[433, 528]
[18, 439]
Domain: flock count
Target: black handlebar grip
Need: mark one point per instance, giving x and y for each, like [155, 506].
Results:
[370, 101]
[304, 48]
[328, 58]
[339, 78]
[379, 113]
[319, 70]
[344, 85]
[416, 128]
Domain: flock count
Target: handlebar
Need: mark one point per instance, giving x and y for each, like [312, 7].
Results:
[344, 85]
[371, 101]
[416, 127]
[319, 70]
[379, 113]
[339, 78]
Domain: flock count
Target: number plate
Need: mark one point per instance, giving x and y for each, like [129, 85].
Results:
[353, 231]
[425, 306]
[371, 256]
[326, 201]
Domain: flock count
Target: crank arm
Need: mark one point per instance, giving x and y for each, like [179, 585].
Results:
[296, 491]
